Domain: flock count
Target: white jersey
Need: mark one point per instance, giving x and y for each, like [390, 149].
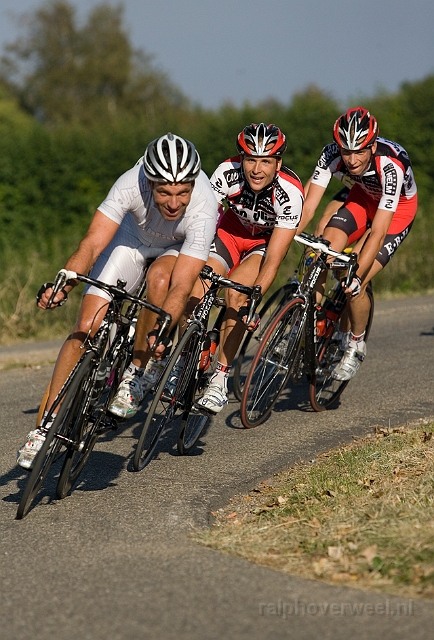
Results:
[130, 203]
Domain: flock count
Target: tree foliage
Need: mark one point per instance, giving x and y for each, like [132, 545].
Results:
[64, 73]
[72, 120]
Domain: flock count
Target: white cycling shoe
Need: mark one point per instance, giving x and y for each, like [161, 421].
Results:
[350, 363]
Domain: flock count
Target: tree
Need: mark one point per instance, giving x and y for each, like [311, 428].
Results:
[65, 74]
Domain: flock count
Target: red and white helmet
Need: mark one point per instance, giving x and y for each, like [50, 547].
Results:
[171, 159]
[356, 129]
[261, 140]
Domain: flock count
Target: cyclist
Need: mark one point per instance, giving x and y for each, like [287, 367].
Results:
[162, 208]
[264, 201]
[382, 199]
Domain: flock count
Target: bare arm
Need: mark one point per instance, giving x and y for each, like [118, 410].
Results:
[100, 232]
[313, 198]
[277, 249]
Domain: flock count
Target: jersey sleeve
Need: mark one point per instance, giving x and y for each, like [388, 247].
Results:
[288, 200]
[392, 178]
[226, 178]
[327, 166]
[124, 196]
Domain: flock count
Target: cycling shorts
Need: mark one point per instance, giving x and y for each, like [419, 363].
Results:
[125, 258]
[233, 243]
[357, 214]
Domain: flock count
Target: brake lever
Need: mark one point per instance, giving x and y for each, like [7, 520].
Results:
[352, 270]
[255, 300]
[164, 322]
[61, 279]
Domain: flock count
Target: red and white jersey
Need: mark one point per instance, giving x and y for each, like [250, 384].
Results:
[278, 205]
[388, 179]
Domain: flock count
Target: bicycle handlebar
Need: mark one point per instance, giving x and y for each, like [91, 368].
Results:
[320, 244]
[116, 291]
[254, 292]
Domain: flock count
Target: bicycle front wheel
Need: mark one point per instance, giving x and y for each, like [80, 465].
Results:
[82, 426]
[167, 409]
[252, 340]
[272, 363]
[324, 390]
[58, 435]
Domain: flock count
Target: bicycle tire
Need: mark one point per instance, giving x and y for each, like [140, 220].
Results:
[251, 340]
[272, 363]
[48, 452]
[82, 429]
[324, 390]
[193, 420]
[92, 413]
[163, 411]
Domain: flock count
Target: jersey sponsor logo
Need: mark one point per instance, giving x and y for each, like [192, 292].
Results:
[280, 194]
[391, 179]
[329, 153]
[199, 239]
[391, 247]
[232, 176]
[218, 183]
[395, 146]
[216, 188]
[408, 179]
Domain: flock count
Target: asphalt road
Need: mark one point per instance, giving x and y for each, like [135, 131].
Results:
[115, 560]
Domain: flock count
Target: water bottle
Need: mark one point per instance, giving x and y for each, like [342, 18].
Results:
[320, 316]
[205, 356]
[214, 337]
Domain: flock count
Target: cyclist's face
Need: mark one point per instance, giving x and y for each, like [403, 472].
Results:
[260, 170]
[172, 200]
[358, 161]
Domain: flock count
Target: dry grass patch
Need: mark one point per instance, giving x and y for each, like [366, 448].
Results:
[361, 515]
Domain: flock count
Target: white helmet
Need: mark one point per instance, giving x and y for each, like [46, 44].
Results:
[171, 159]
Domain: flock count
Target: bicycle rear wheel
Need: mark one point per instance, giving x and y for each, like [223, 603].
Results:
[165, 409]
[272, 363]
[324, 390]
[252, 340]
[194, 419]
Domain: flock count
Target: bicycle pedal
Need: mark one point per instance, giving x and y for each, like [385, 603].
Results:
[109, 424]
[166, 396]
[199, 410]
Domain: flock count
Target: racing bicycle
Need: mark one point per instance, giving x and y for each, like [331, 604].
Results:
[186, 374]
[79, 412]
[291, 345]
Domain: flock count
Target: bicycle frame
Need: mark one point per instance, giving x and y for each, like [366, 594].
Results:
[307, 292]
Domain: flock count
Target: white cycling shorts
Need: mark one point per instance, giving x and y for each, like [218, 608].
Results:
[125, 259]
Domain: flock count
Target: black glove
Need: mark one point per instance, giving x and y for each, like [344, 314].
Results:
[166, 342]
[243, 312]
[354, 286]
[49, 285]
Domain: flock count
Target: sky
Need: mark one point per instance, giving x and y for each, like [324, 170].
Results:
[241, 51]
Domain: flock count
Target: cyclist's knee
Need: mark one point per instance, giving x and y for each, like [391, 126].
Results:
[158, 280]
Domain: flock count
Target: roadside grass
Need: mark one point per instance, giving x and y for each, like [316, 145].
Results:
[361, 515]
